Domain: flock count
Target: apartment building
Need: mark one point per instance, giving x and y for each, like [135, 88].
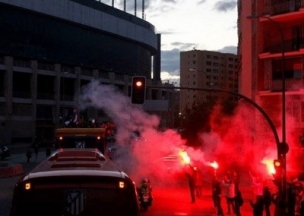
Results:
[271, 50]
[207, 70]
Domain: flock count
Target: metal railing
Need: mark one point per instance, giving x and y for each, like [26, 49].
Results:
[283, 7]
[290, 45]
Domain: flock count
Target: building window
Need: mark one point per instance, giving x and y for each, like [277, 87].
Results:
[22, 109]
[302, 113]
[297, 74]
[292, 68]
[296, 111]
[2, 109]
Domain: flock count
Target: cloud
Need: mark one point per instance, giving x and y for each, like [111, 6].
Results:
[171, 76]
[170, 1]
[170, 60]
[201, 2]
[167, 32]
[225, 5]
[158, 7]
[229, 49]
[184, 46]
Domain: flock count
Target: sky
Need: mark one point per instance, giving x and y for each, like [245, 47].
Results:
[186, 25]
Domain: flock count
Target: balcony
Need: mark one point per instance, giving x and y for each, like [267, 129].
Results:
[22, 94]
[45, 96]
[291, 85]
[66, 97]
[289, 46]
[46, 66]
[86, 72]
[283, 7]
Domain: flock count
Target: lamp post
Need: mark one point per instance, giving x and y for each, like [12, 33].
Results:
[282, 146]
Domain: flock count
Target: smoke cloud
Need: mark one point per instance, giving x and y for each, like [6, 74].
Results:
[233, 141]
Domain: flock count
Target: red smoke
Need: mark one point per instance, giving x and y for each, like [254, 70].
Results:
[240, 142]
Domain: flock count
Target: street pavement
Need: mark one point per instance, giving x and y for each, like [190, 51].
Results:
[18, 156]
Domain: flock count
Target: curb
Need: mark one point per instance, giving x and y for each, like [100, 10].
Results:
[11, 170]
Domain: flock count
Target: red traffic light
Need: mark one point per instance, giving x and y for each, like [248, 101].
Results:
[276, 163]
[138, 94]
[138, 83]
[278, 174]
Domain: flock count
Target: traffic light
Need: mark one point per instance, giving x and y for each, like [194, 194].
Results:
[138, 89]
[278, 167]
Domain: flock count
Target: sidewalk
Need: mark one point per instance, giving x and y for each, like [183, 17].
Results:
[17, 164]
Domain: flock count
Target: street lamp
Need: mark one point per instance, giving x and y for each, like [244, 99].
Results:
[282, 146]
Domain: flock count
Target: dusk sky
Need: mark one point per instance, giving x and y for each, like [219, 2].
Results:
[185, 25]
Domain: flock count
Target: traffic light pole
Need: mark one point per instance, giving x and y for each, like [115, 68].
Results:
[269, 121]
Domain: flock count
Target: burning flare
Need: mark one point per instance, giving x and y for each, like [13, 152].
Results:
[185, 157]
[269, 166]
[214, 164]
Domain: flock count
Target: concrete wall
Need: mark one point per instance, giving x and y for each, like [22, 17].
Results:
[78, 13]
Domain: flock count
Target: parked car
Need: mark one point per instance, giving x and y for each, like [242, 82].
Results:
[4, 152]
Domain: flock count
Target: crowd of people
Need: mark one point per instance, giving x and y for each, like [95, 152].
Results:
[227, 189]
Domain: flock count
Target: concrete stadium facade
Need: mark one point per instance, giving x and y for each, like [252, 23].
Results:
[49, 49]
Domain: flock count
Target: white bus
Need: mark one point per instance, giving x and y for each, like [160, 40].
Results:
[75, 182]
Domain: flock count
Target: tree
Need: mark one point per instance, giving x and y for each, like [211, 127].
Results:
[197, 119]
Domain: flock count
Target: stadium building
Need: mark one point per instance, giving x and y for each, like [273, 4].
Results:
[49, 49]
